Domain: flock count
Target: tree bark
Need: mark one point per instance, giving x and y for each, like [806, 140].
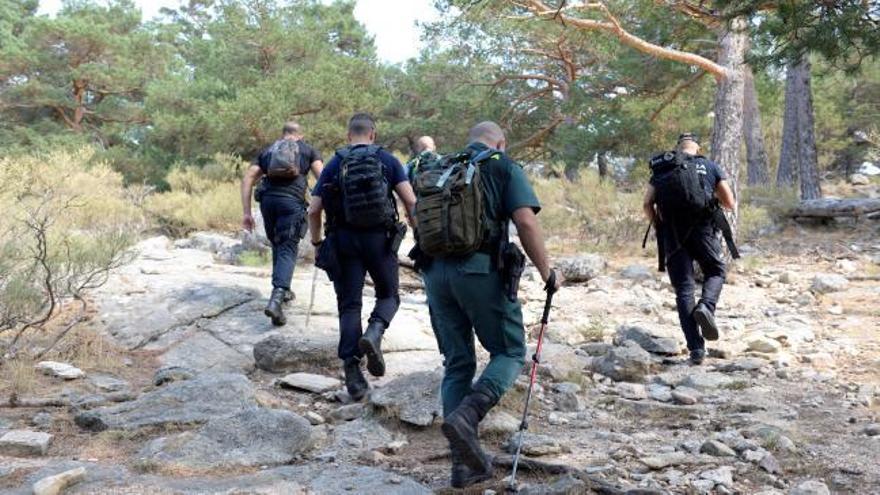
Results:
[756, 154]
[786, 173]
[727, 131]
[602, 162]
[798, 158]
[808, 160]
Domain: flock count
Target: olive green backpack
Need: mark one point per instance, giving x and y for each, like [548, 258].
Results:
[450, 205]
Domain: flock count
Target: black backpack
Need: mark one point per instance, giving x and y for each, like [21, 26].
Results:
[679, 187]
[284, 160]
[366, 196]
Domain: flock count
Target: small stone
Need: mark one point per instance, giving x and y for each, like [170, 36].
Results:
[60, 370]
[20, 443]
[717, 449]
[396, 446]
[349, 412]
[570, 402]
[859, 180]
[765, 345]
[754, 456]
[372, 457]
[770, 464]
[684, 398]
[42, 420]
[786, 278]
[811, 487]
[872, 430]
[567, 388]
[637, 272]
[56, 484]
[499, 423]
[703, 486]
[720, 476]
[828, 282]
[310, 382]
[662, 461]
[171, 374]
[314, 418]
[535, 444]
[107, 383]
[556, 419]
[785, 444]
[659, 392]
[632, 391]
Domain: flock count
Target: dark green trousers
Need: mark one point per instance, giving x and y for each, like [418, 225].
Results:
[466, 297]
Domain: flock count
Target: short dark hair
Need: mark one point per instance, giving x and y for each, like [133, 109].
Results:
[291, 127]
[361, 123]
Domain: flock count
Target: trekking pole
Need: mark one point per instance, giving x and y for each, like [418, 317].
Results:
[536, 359]
[312, 296]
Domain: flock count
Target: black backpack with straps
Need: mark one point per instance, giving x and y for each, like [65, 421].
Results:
[366, 199]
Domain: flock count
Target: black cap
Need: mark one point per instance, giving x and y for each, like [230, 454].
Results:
[688, 136]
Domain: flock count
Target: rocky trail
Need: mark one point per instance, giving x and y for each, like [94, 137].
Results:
[208, 397]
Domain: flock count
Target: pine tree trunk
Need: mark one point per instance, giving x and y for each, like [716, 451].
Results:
[786, 173]
[727, 132]
[756, 154]
[602, 162]
[808, 160]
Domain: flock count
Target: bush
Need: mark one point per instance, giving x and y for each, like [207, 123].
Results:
[589, 214]
[201, 198]
[67, 222]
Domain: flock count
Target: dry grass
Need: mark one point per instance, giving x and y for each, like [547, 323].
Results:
[19, 376]
[589, 215]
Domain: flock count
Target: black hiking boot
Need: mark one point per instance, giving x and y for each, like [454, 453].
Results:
[463, 476]
[289, 296]
[706, 320]
[355, 382]
[697, 357]
[371, 346]
[273, 309]
[460, 428]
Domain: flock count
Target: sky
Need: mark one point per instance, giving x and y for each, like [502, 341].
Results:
[391, 22]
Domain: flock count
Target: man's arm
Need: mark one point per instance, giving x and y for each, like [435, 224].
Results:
[405, 192]
[648, 203]
[317, 166]
[725, 195]
[532, 239]
[315, 227]
[251, 176]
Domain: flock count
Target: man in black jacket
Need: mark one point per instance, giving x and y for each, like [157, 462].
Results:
[283, 205]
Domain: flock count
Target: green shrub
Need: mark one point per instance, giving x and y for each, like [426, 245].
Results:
[67, 221]
[201, 198]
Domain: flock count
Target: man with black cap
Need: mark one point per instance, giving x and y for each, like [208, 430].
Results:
[683, 201]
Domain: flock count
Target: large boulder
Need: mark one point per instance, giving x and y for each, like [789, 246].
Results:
[282, 353]
[192, 401]
[412, 398]
[582, 268]
[625, 363]
[252, 437]
[647, 340]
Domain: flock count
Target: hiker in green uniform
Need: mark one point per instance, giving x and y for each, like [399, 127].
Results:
[425, 151]
[471, 283]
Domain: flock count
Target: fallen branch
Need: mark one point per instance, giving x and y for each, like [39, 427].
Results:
[832, 208]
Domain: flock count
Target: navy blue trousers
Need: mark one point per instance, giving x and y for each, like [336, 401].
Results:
[700, 245]
[284, 219]
[359, 253]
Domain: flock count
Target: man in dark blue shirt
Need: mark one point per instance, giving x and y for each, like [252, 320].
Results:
[695, 238]
[359, 246]
[283, 205]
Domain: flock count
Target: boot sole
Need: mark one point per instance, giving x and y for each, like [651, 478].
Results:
[707, 324]
[473, 480]
[474, 459]
[375, 361]
[277, 320]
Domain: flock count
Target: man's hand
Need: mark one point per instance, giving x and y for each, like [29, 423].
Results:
[558, 280]
[248, 223]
